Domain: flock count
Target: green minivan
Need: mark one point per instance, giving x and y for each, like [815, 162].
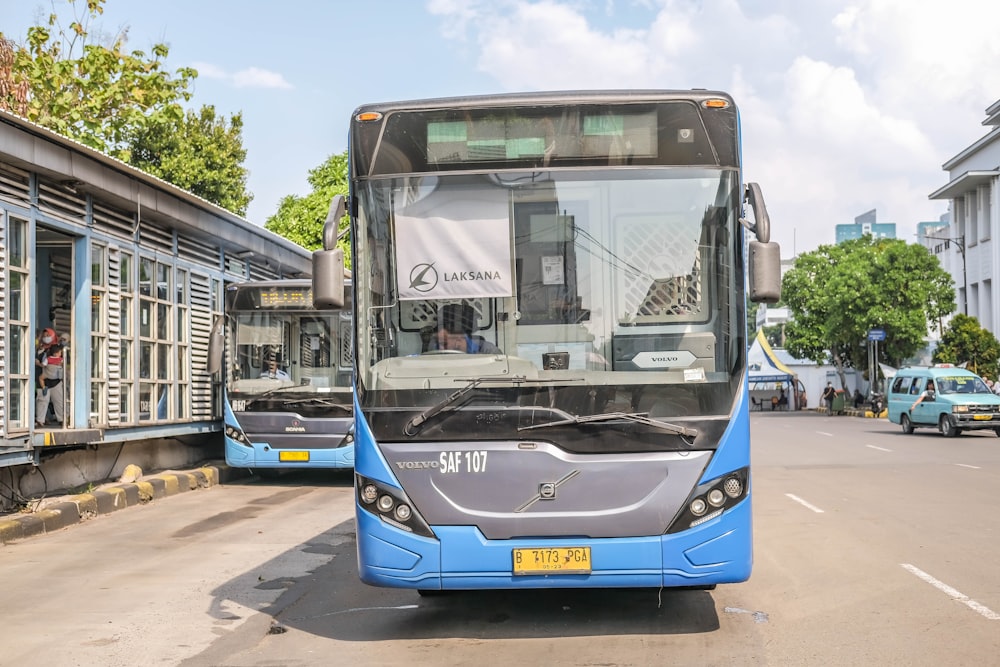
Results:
[957, 400]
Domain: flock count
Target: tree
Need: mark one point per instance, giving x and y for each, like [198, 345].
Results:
[200, 153]
[301, 219]
[123, 103]
[836, 294]
[93, 93]
[965, 341]
[13, 94]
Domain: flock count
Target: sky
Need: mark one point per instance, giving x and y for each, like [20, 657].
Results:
[845, 106]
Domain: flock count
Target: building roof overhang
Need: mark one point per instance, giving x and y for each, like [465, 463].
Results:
[967, 182]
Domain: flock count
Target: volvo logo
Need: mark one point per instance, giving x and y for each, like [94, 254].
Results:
[547, 490]
[416, 465]
[423, 277]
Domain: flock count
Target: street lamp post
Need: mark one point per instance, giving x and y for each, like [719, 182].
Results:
[960, 242]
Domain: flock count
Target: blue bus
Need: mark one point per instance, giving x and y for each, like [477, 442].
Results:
[550, 296]
[287, 378]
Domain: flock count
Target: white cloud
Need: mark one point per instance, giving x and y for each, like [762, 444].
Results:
[255, 77]
[844, 109]
[251, 77]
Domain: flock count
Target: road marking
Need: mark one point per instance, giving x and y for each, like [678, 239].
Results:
[881, 449]
[804, 503]
[825, 433]
[955, 595]
[966, 465]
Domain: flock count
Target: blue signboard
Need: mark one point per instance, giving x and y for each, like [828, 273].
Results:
[876, 334]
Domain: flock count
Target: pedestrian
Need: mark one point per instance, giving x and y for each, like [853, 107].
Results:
[51, 372]
[828, 395]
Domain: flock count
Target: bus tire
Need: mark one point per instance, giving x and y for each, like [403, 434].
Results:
[947, 426]
[904, 421]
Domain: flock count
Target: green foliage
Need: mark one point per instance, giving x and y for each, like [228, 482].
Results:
[837, 293]
[199, 152]
[101, 94]
[966, 341]
[300, 219]
[124, 103]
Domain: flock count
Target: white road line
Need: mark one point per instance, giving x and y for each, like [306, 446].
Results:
[955, 595]
[966, 465]
[825, 433]
[804, 503]
[881, 449]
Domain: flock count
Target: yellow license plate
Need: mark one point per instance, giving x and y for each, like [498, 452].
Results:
[982, 417]
[293, 456]
[555, 560]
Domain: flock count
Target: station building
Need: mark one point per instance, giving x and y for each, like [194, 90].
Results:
[129, 270]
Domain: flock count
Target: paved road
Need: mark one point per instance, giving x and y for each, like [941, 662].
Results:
[872, 548]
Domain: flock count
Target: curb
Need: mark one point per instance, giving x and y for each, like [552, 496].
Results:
[853, 412]
[114, 497]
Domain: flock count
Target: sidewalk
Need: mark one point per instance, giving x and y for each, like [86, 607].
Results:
[62, 511]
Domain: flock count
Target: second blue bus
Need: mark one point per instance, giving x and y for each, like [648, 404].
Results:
[287, 368]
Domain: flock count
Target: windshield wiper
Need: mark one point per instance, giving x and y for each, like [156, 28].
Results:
[639, 417]
[258, 397]
[411, 426]
[328, 402]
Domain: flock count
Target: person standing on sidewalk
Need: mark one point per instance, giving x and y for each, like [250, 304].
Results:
[51, 371]
[828, 395]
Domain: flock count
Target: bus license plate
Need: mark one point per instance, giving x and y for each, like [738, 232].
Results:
[293, 456]
[556, 560]
[982, 417]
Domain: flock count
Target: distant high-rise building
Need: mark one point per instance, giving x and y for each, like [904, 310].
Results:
[866, 224]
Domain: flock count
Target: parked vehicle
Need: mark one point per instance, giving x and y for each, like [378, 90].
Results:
[945, 397]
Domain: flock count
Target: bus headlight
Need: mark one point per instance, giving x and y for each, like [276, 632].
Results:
[717, 495]
[369, 493]
[390, 505]
[733, 487]
[385, 503]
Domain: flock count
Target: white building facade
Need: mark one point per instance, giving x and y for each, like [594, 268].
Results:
[969, 247]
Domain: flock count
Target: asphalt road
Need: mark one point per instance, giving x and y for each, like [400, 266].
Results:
[871, 548]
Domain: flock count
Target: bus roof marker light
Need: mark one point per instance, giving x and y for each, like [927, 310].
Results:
[715, 103]
[368, 116]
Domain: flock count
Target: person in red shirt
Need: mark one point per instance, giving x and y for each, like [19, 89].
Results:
[51, 372]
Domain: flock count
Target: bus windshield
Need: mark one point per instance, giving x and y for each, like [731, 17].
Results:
[288, 354]
[563, 294]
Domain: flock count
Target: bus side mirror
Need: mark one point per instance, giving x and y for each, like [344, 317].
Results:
[765, 257]
[328, 263]
[765, 272]
[216, 345]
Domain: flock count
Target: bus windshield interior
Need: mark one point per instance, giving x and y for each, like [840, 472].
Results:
[561, 292]
[289, 352]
